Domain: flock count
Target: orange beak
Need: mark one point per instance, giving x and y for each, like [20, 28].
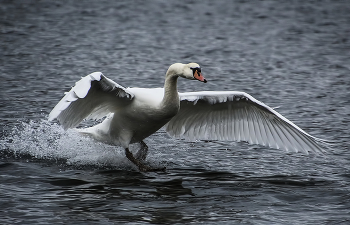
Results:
[199, 76]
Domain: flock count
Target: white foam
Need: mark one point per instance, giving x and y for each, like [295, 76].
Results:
[45, 140]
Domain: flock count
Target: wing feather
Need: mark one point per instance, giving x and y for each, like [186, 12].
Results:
[258, 128]
[240, 126]
[288, 140]
[237, 116]
[94, 96]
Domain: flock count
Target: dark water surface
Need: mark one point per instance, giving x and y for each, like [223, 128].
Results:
[295, 55]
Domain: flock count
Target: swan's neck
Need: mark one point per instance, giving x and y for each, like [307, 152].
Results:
[171, 97]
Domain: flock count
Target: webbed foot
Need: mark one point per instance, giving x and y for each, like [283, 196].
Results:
[145, 168]
[142, 167]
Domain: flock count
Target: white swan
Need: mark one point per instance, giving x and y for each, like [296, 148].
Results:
[135, 113]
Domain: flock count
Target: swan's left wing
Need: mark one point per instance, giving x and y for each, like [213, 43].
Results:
[237, 116]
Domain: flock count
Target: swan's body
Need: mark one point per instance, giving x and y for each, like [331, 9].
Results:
[135, 113]
[142, 117]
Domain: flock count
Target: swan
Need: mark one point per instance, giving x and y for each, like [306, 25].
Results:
[132, 114]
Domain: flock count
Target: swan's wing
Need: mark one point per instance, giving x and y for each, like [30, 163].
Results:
[237, 116]
[94, 96]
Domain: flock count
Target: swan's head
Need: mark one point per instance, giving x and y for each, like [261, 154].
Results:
[190, 71]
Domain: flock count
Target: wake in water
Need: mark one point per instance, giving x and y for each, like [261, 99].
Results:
[46, 141]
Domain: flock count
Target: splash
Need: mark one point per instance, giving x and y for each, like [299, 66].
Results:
[46, 141]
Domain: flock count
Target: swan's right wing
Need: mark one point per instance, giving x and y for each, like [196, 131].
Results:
[94, 96]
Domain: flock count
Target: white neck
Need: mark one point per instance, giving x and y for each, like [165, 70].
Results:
[171, 97]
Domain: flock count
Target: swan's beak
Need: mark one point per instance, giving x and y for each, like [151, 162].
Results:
[198, 76]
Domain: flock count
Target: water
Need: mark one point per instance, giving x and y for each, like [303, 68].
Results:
[294, 55]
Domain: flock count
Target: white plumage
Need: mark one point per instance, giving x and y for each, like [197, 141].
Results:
[135, 113]
[237, 116]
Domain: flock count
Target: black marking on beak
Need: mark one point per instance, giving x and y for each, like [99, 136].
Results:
[197, 74]
[194, 69]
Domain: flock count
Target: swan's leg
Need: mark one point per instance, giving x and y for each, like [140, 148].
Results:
[142, 153]
[142, 167]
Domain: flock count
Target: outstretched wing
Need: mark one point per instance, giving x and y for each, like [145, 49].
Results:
[237, 116]
[94, 96]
